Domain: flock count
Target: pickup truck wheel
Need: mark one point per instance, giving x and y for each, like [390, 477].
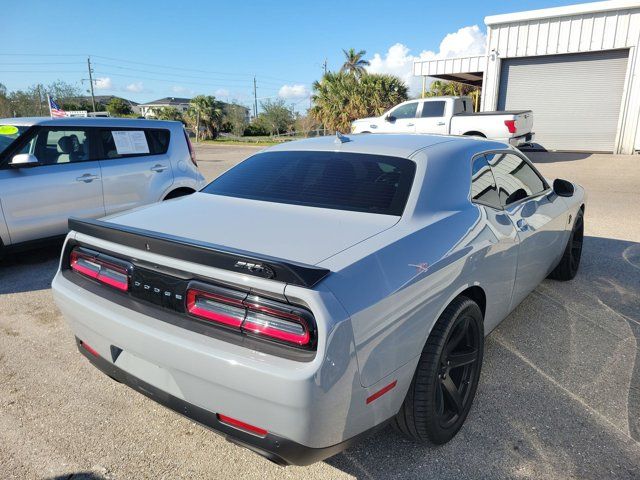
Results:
[446, 379]
[570, 262]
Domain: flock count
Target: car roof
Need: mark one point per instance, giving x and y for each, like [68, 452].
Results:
[88, 122]
[397, 145]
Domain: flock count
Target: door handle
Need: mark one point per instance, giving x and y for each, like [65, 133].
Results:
[87, 178]
[440, 124]
[158, 168]
[410, 124]
[522, 225]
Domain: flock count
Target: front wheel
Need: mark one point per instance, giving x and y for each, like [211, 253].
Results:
[446, 379]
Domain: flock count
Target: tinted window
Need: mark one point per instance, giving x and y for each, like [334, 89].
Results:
[405, 111]
[483, 184]
[432, 109]
[53, 146]
[133, 142]
[343, 181]
[516, 178]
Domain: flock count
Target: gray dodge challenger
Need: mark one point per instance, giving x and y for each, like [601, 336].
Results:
[322, 288]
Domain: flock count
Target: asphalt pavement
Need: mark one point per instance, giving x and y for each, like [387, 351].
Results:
[559, 395]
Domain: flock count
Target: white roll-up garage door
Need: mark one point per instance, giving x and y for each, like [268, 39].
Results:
[575, 98]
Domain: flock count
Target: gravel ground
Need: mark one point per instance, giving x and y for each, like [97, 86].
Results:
[559, 395]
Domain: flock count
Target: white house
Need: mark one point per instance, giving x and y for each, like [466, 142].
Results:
[577, 67]
[181, 104]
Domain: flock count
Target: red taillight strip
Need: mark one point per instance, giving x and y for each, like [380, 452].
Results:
[194, 309]
[89, 349]
[381, 392]
[232, 422]
[255, 326]
[103, 273]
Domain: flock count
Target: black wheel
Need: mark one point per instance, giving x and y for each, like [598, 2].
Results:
[570, 262]
[446, 379]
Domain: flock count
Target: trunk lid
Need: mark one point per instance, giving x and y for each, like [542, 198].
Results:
[296, 233]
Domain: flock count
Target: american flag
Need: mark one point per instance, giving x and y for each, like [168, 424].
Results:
[55, 110]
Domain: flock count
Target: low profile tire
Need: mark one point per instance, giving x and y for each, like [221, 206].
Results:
[446, 379]
[570, 262]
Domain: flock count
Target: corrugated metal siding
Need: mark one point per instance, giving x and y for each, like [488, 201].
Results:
[579, 33]
[575, 98]
[476, 63]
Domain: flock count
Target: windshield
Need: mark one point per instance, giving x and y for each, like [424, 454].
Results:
[343, 181]
[8, 134]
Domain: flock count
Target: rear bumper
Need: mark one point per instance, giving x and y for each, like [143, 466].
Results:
[522, 139]
[278, 449]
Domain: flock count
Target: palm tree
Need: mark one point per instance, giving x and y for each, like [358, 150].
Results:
[205, 110]
[441, 88]
[354, 62]
[340, 98]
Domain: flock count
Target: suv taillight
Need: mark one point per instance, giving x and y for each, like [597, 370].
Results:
[511, 126]
[104, 269]
[192, 152]
[252, 315]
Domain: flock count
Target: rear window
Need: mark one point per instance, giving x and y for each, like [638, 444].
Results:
[342, 181]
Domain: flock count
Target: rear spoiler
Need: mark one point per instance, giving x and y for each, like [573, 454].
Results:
[202, 253]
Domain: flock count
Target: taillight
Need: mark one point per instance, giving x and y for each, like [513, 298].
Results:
[192, 152]
[253, 316]
[215, 308]
[102, 268]
[511, 125]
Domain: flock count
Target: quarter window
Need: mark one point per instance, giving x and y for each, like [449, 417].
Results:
[432, 109]
[483, 184]
[515, 177]
[119, 143]
[405, 111]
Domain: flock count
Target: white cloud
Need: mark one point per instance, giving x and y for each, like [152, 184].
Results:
[135, 87]
[221, 93]
[293, 91]
[398, 60]
[103, 83]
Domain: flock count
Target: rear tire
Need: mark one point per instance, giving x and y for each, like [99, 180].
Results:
[446, 378]
[570, 262]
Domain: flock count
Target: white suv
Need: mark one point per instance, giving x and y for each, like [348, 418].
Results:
[52, 169]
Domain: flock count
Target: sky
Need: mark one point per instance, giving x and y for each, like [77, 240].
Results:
[144, 50]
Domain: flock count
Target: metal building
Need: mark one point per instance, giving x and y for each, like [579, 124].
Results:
[577, 67]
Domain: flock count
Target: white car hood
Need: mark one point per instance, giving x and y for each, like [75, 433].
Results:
[291, 232]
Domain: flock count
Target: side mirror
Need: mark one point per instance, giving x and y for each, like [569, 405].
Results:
[390, 118]
[563, 188]
[24, 160]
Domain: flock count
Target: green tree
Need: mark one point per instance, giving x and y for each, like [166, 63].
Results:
[205, 116]
[276, 117]
[354, 62]
[236, 119]
[442, 88]
[5, 103]
[340, 98]
[167, 113]
[118, 107]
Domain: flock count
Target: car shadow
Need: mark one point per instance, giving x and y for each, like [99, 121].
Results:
[560, 389]
[78, 476]
[29, 270]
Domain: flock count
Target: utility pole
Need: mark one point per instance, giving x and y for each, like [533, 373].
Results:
[198, 126]
[424, 86]
[93, 98]
[324, 66]
[255, 98]
[39, 101]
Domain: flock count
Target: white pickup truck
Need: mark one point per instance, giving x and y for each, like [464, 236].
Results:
[450, 116]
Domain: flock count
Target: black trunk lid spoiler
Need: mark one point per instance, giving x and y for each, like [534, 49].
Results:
[202, 253]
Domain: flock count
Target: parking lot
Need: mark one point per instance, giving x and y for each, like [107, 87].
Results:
[559, 395]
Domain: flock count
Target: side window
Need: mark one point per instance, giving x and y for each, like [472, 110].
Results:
[516, 178]
[405, 111]
[483, 184]
[53, 146]
[116, 143]
[432, 109]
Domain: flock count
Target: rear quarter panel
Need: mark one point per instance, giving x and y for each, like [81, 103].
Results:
[4, 232]
[185, 173]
